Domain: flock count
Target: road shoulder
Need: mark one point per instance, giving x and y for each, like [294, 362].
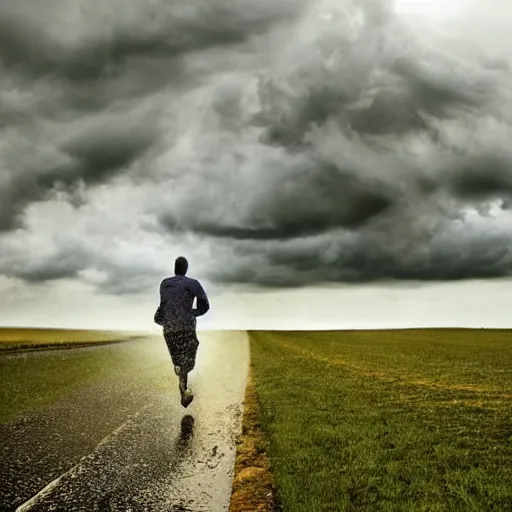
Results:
[253, 487]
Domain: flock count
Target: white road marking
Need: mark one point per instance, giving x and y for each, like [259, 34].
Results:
[49, 488]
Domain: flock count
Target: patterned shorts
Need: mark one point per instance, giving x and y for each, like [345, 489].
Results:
[182, 346]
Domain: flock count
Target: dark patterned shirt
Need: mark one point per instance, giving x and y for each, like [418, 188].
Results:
[177, 296]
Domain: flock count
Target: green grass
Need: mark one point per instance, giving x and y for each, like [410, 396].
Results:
[416, 420]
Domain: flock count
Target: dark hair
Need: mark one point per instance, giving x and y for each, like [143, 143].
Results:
[180, 266]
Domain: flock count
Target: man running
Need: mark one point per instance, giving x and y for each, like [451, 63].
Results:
[178, 319]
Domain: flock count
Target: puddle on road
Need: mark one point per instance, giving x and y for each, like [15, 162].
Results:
[202, 482]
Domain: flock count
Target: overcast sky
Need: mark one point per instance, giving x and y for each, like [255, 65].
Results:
[320, 163]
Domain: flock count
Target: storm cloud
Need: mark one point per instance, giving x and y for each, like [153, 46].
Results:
[276, 143]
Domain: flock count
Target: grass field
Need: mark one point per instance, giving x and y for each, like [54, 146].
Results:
[11, 338]
[413, 420]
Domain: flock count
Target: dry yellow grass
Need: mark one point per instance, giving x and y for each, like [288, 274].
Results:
[401, 378]
[23, 337]
[253, 488]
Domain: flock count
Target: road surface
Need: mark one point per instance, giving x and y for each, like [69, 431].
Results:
[125, 442]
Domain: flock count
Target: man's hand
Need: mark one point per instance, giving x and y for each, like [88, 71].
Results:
[202, 304]
[202, 307]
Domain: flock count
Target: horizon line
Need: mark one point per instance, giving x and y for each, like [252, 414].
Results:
[324, 329]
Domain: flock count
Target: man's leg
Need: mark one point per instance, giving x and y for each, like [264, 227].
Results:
[186, 395]
[188, 353]
[183, 379]
[182, 347]
[174, 342]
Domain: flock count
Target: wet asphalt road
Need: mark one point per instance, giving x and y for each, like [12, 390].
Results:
[127, 443]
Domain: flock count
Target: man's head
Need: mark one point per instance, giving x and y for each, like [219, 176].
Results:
[180, 266]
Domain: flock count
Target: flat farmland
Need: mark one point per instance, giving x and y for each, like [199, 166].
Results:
[404, 420]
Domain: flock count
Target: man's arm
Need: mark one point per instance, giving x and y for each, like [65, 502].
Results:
[159, 316]
[203, 304]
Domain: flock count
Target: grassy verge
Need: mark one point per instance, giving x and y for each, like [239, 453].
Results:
[16, 339]
[253, 488]
[417, 420]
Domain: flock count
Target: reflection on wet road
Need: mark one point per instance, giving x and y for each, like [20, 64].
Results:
[127, 443]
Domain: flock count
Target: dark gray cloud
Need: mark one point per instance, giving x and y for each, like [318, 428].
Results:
[137, 30]
[370, 257]
[278, 143]
[90, 153]
[93, 64]
[351, 131]
[106, 148]
[482, 176]
[335, 197]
